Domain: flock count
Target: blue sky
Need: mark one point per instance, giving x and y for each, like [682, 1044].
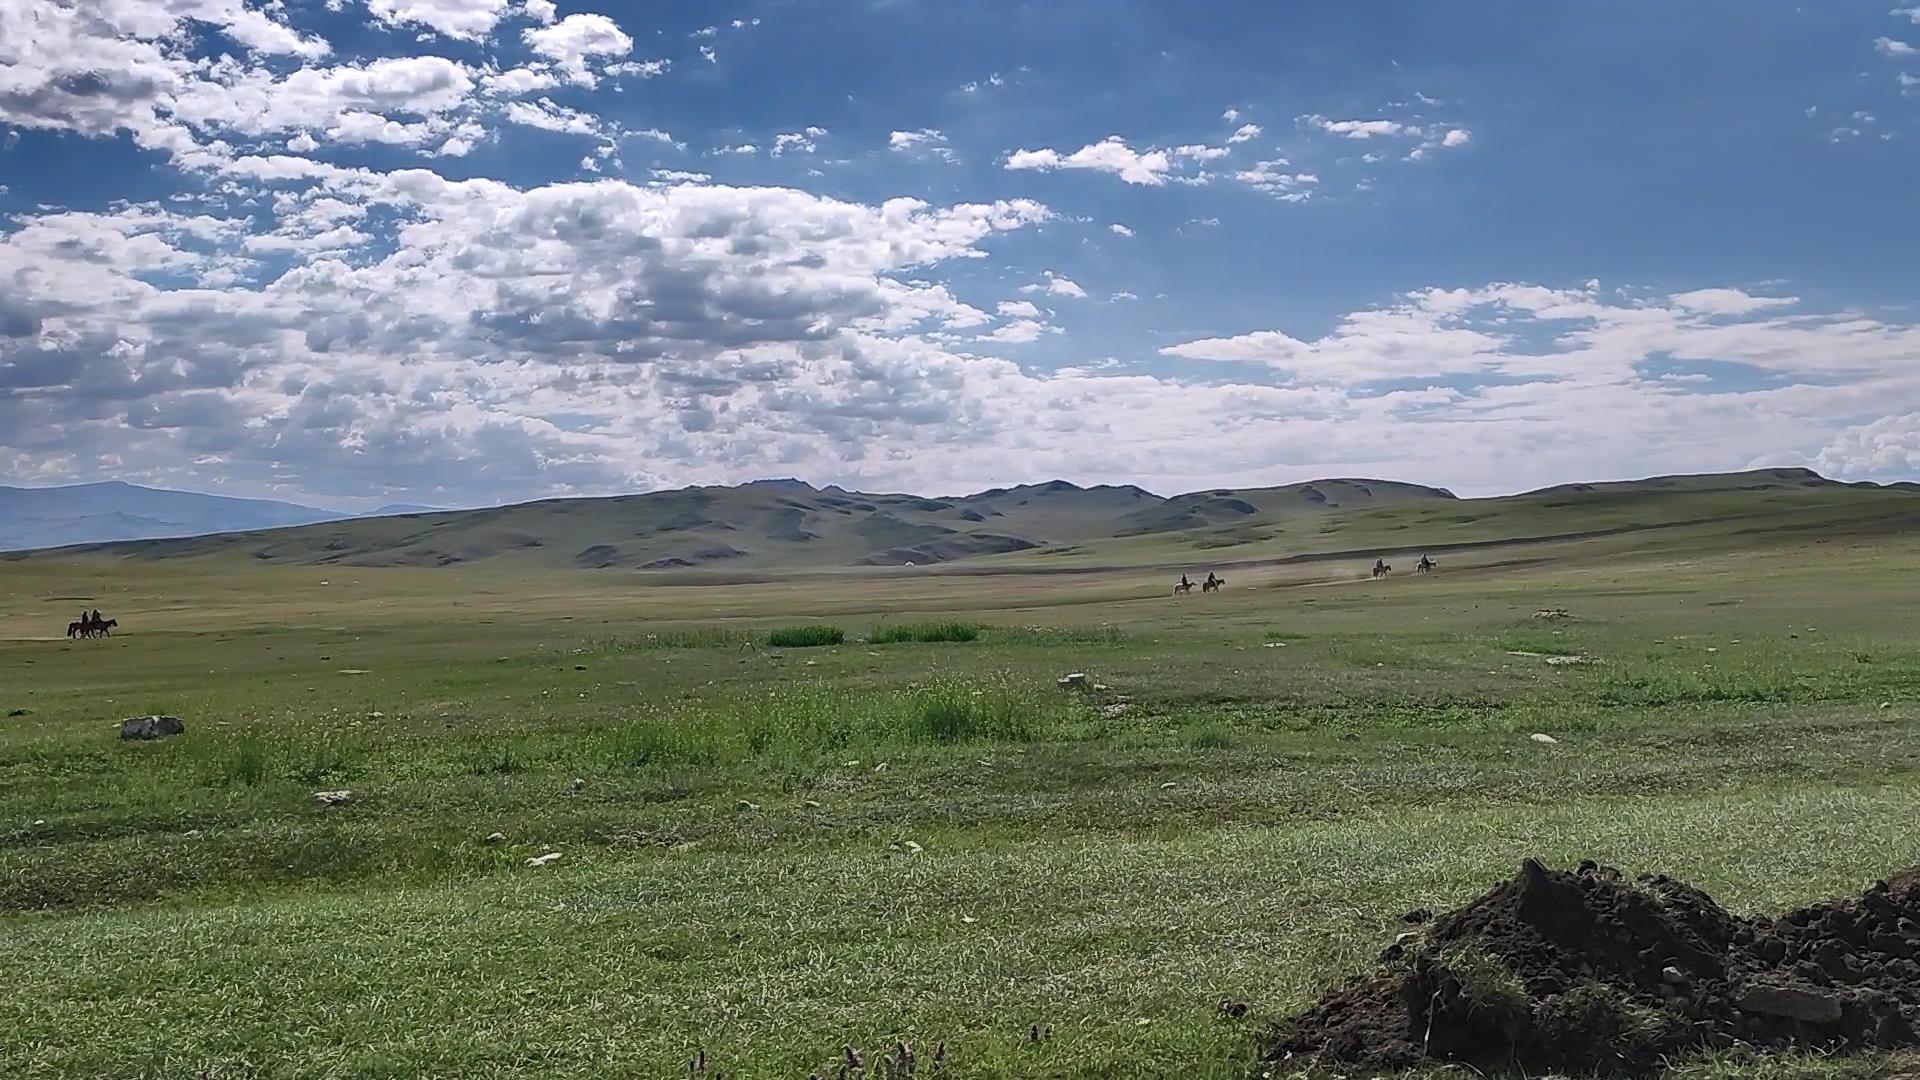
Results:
[469, 251]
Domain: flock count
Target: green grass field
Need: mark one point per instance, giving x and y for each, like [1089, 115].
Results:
[769, 853]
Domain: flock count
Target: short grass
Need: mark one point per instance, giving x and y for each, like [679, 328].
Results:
[771, 852]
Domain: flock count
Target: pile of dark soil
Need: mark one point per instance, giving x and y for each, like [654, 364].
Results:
[1588, 972]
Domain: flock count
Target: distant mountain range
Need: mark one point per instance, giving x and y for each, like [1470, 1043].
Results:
[770, 524]
[101, 513]
[91, 513]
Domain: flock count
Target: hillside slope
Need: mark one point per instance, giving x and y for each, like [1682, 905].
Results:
[786, 524]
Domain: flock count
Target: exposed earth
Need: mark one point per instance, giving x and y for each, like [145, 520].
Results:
[1590, 972]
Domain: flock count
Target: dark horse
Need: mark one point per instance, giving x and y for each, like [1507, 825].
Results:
[1381, 569]
[89, 628]
[1213, 584]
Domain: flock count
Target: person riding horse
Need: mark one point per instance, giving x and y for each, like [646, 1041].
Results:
[91, 624]
[1425, 566]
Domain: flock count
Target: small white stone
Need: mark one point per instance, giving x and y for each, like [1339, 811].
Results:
[1544, 739]
[548, 859]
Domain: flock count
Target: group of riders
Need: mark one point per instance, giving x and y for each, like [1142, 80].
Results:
[90, 624]
[1426, 565]
[1423, 567]
[1212, 584]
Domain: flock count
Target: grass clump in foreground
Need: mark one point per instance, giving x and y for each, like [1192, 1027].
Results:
[805, 729]
[924, 632]
[803, 637]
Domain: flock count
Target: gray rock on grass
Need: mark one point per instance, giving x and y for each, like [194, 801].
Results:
[151, 727]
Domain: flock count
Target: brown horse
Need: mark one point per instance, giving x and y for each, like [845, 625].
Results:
[1213, 584]
[1381, 569]
[89, 628]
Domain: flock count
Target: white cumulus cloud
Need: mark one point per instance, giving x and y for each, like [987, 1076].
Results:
[577, 40]
[1110, 155]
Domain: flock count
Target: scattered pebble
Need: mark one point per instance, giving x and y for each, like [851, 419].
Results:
[913, 847]
[496, 838]
[333, 798]
[1564, 661]
[1544, 739]
[1167, 785]
[1275, 645]
[548, 859]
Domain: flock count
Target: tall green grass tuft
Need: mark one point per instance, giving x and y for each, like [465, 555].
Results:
[954, 712]
[246, 764]
[924, 632]
[807, 728]
[802, 637]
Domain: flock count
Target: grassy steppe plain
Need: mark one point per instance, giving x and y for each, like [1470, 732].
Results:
[771, 853]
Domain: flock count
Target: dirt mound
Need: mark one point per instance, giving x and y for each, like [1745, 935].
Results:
[1589, 972]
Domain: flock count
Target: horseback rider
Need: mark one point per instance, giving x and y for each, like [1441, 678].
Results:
[1184, 583]
[1212, 582]
[97, 620]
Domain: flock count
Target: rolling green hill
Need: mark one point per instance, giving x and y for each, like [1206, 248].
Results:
[786, 524]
